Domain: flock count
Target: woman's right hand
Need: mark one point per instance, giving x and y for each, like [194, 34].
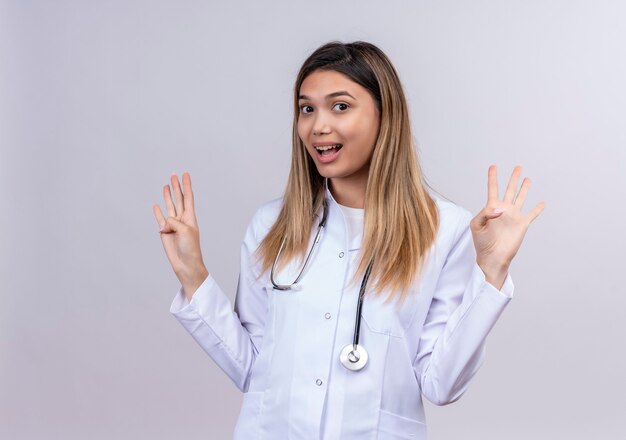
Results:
[180, 235]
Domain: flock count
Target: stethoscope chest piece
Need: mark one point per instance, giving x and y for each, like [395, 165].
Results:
[353, 359]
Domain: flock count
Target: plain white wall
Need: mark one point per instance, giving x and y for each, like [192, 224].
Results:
[101, 101]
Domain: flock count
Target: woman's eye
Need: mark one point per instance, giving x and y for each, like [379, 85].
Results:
[345, 106]
[304, 108]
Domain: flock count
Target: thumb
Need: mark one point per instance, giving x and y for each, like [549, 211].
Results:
[171, 225]
[487, 215]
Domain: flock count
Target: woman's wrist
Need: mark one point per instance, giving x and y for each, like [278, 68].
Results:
[495, 274]
[192, 281]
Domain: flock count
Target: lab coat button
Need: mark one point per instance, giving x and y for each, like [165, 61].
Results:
[318, 382]
[327, 316]
[341, 254]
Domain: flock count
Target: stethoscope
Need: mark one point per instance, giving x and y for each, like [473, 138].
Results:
[353, 356]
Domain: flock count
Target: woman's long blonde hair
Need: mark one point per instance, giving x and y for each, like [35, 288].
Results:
[401, 218]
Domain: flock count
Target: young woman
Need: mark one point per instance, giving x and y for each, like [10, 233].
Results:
[360, 289]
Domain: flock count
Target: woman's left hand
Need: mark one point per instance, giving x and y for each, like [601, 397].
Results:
[499, 228]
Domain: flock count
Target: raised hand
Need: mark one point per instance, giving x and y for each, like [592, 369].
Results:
[180, 235]
[499, 228]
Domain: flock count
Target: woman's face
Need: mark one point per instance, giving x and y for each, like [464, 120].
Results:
[338, 123]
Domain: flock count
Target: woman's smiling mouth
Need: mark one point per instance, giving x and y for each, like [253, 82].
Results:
[327, 152]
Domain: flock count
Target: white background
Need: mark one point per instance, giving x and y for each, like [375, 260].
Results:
[101, 100]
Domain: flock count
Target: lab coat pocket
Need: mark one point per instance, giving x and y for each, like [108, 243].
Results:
[381, 317]
[248, 424]
[394, 427]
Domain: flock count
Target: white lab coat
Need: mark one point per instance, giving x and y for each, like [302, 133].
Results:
[281, 348]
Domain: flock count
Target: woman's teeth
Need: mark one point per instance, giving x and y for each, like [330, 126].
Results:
[325, 150]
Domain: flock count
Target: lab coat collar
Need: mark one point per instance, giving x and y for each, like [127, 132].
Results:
[329, 195]
[330, 200]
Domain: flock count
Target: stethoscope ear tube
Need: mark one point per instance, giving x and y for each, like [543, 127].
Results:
[294, 284]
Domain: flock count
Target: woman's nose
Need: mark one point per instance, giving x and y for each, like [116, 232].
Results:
[321, 125]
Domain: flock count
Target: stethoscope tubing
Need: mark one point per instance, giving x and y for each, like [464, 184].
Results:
[320, 228]
[357, 325]
[352, 357]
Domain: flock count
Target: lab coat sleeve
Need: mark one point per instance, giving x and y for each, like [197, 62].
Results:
[230, 336]
[464, 309]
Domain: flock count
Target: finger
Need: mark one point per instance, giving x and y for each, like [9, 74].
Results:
[169, 204]
[534, 213]
[188, 193]
[521, 197]
[511, 188]
[492, 184]
[180, 203]
[159, 215]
